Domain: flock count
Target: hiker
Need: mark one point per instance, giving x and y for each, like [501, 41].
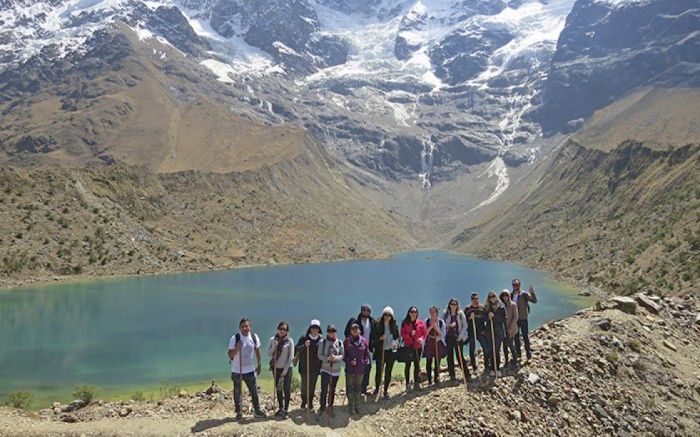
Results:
[457, 333]
[280, 348]
[330, 352]
[510, 328]
[356, 361]
[434, 348]
[523, 299]
[365, 320]
[493, 333]
[474, 313]
[243, 353]
[385, 342]
[307, 348]
[413, 334]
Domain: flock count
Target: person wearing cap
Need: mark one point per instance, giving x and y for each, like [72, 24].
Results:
[510, 328]
[523, 299]
[356, 360]
[385, 342]
[330, 352]
[307, 347]
[365, 320]
[457, 334]
[280, 348]
[413, 333]
[474, 313]
[244, 353]
[494, 318]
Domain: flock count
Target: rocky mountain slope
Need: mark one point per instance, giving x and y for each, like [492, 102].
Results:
[106, 220]
[627, 366]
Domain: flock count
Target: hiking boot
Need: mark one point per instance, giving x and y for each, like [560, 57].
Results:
[416, 385]
[239, 416]
[260, 413]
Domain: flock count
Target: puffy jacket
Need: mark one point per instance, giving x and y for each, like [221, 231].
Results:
[417, 341]
[313, 354]
[328, 348]
[357, 350]
[378, 330]
[511, 319]
[462, 326]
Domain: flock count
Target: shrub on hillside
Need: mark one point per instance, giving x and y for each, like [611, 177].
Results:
[19, 399]
[85, 392]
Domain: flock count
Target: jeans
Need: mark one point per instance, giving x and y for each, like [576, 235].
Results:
[283, 392]
[389, 358]
[250, 382]
[415, 358]
[313, 377]
[509, 345]
[454, 349]
[353, 385]
[524, 331]
[489, 347]
[326, 394]
[472, 338]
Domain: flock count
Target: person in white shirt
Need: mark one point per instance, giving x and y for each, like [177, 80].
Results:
[280, 348]
[244, 356]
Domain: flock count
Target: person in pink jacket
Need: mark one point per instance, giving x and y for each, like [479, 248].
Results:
[511, 328]
[413, 333]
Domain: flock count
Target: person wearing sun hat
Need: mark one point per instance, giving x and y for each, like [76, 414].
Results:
[307, 347]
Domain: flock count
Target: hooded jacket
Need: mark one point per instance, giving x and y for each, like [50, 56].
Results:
[417, 341]
[328, 348]
[357, 350]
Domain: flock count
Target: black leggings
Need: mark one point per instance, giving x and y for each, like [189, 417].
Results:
[284, 394]
[386, 372]
[415, 359]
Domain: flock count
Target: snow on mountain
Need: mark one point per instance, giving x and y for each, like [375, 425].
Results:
[400, 87]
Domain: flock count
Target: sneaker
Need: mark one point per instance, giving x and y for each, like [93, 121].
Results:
[260, 413]
[375, 392]
[386, 395]
[283, 414]
[279, 413]
[239, 416]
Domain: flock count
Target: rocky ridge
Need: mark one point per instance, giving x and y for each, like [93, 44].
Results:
[626, 366]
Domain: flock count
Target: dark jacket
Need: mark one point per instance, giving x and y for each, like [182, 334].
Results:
[356, 349]
[357, 320]
[478, 312]
[378, 330]
[499, 319]
[313, 354]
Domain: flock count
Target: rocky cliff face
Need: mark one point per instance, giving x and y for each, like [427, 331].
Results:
[609, 48]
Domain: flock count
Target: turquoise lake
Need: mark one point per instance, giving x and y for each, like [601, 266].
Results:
[143, 331]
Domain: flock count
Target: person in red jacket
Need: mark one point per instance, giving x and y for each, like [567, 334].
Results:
[413, 333]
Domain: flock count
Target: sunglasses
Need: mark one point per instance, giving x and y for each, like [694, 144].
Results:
[413, 312]
[332, 331]
[453, 304]
[283, 329]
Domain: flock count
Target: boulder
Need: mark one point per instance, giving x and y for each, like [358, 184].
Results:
[75, 405]
[69, 418]
[553, 401]
[649, 304]
[603, 323]
[533, 378]
[625, 304]
[697, 319]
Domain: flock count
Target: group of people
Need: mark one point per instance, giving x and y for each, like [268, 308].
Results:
[498, 324]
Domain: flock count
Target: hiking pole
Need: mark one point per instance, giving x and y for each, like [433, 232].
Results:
[308, 390]
[474, 334]
[493, 347]
[461, 364]
[274, 378]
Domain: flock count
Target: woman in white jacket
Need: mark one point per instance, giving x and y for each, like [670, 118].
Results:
[281, 351]
[456, 335]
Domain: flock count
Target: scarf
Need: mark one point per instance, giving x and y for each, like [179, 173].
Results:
[281, 342]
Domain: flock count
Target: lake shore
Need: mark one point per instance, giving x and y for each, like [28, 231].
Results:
[624, 366]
